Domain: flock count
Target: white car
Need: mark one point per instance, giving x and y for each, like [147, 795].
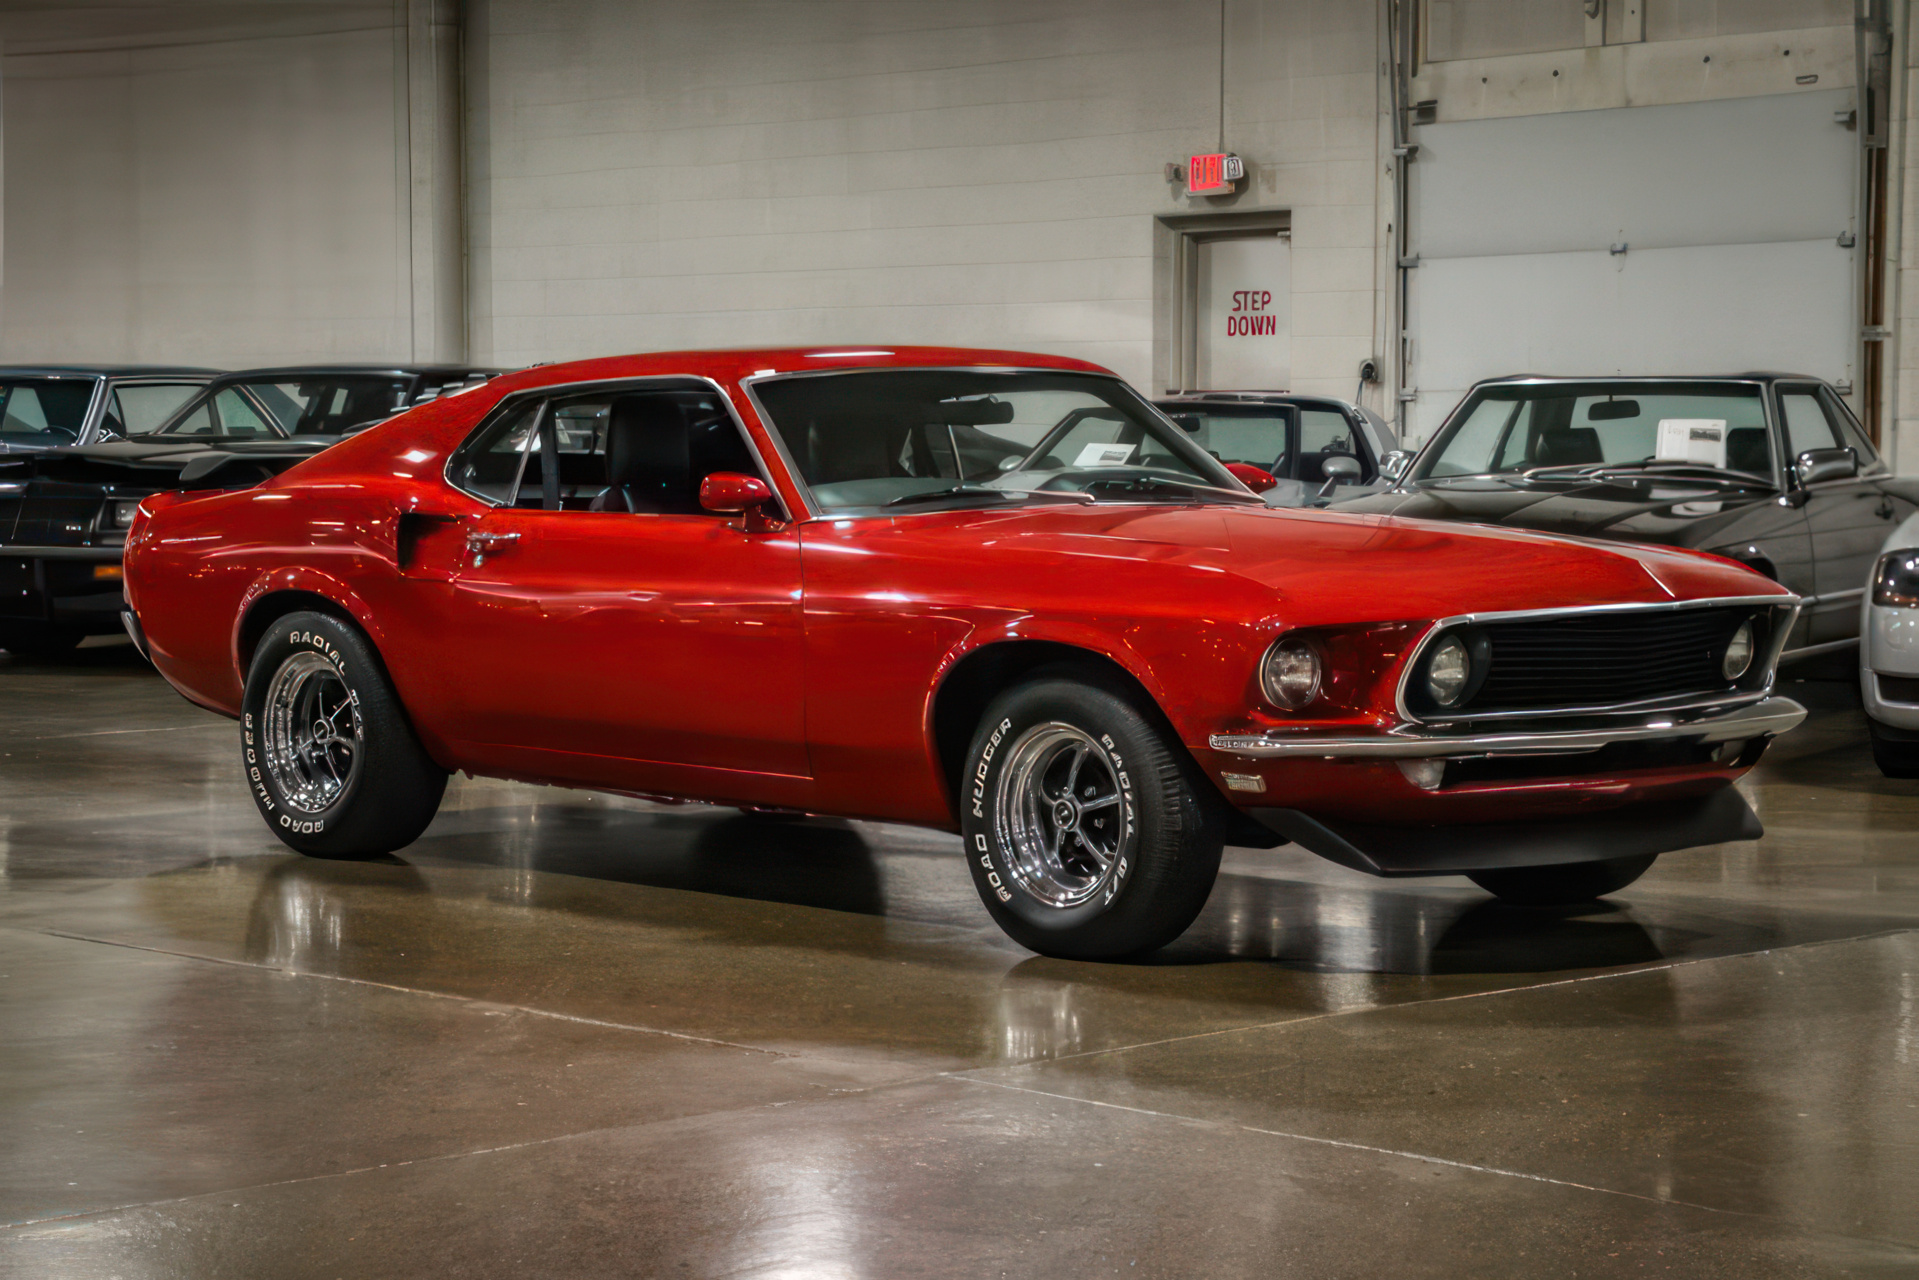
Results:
[1889, 653]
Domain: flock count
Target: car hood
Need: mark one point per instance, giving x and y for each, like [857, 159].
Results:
[1346, 565]
[1639, 510]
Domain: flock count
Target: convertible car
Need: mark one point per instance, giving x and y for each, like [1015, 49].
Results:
[64, 511]
[994, 593]
[1769, 469]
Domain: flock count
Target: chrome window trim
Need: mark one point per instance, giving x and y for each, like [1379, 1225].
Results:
[1677, 702]
[1721, 723]
[558, 390]
[814, 511]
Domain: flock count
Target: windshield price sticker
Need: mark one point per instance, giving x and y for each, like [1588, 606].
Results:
[1692, 440]
[1104, 455]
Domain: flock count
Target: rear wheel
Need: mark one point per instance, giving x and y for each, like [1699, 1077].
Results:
[1897, 757]
[332, 762]
[1562, 885]
[1083, 829]
[38, 639]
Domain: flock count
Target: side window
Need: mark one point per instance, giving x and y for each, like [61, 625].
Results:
[636, 450]
[1807, 426]
[136, 409]
[1324, 433]
[195, 421]
[1850, 433]
[237, 417]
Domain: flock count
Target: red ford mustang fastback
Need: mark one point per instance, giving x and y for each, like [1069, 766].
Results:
[984, 591]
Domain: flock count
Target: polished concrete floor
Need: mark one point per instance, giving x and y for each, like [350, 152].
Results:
[572, 1035]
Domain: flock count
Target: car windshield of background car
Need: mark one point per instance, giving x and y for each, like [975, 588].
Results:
[43, 411]
[331, 406]
[1254, 436]
[1517, 428]
[868, 438]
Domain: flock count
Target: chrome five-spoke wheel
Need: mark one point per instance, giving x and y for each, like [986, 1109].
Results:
[312, 731]
[1060, 814]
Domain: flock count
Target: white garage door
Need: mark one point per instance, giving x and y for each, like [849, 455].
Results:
[1731, 213]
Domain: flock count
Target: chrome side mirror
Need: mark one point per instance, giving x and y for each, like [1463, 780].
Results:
[1393, 463]
[1338, 469]
[1816, 466]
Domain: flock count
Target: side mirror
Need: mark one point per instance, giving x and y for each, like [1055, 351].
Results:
[1338, 469]
[1816, 466]
[1254, 478]
[1393, 463]
[731, 493]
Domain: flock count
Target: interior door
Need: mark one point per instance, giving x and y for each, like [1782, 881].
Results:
[650, 649]
[1845, 519]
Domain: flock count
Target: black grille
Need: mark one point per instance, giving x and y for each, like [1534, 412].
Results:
[1603, 659]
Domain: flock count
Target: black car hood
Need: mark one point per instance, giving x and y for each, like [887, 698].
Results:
[1636, 509]
[171, 463]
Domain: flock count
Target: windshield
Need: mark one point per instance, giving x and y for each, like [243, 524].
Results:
[871, 438]
[1520, 427]
[44, 411]
[333, 405]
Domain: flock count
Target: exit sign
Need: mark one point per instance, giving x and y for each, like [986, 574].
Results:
[1213, 175]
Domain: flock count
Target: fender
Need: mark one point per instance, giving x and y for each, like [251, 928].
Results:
[313, 581]
[1027, 627]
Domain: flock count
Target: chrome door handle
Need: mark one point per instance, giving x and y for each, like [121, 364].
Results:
[480, 543]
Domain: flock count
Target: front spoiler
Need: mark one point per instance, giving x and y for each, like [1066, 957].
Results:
[1766, 718]
[1655, 827]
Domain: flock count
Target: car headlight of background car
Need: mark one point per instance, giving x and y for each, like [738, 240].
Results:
[1895, 579]
[120, 512]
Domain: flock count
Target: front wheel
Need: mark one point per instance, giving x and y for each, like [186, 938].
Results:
[1562, 885]
[329, 756]
[1084, 833]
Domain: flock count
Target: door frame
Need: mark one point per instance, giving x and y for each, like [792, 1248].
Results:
[1176, 241]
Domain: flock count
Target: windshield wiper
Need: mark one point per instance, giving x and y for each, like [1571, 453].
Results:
[1658, 467]
[970, 490]
[1160, 487]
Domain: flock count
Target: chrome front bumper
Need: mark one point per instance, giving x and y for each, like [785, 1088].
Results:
[1766, 718]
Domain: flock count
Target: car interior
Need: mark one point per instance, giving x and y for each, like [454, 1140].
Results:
[643, 452]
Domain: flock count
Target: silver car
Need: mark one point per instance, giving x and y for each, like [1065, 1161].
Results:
[1889, 653]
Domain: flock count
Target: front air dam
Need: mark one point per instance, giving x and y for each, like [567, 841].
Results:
[1657, 827]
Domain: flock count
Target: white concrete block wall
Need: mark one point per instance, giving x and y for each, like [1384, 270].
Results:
[231, 201]
[754, 171]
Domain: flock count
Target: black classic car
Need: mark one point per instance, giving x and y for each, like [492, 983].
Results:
[1314, 446]
[1770, 469]
[64, 512]
[47, 406]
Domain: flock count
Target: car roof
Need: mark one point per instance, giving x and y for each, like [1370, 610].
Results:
[1756, 375]
[733, 364]
[101, 370]
[327, 370]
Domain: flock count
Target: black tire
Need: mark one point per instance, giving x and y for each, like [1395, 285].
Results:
[39, 640]
[1562, 885]
[391, 788]
[1896, 757]
[1161, 851]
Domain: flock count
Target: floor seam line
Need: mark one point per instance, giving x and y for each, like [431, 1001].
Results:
[474, 1001]
[1427, 1159]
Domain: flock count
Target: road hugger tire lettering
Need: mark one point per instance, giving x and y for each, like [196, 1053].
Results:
[1083, 831]
[329, 756]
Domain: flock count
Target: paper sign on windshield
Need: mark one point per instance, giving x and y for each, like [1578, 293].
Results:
[1692, 440]
[1104, 455]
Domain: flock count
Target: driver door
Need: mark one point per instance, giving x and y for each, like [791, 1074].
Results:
[647, 650]
[1846, 519]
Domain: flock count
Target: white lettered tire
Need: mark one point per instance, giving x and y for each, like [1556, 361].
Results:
[1083, 831]
[329, 756]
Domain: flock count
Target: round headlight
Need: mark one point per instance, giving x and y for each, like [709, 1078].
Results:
[1738, 652]
[1448, 672]
[1290, 674]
